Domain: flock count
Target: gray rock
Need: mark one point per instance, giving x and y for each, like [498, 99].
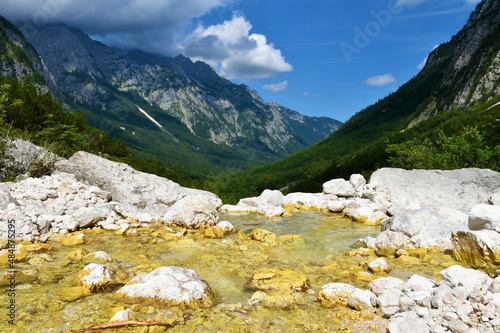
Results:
[388, 242]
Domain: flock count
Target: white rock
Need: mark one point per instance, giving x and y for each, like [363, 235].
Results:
[226, 226]
[339, 187]
[170, 284]
[362, 299]
[418, 282]
[383, 284]
[379, 265]
[388, 301]
[484, 217]
[494, 199]
[192, 211]
[471, 279]
[123, 315]
[272, 198]
[357, 181]
[407, 322]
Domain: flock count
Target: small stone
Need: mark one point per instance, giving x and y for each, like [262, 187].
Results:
[379, 266]
[123, 315]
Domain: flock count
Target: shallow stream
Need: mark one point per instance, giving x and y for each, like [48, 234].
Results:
[227, 264]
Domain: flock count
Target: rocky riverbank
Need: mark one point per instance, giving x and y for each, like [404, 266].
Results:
[419, 212]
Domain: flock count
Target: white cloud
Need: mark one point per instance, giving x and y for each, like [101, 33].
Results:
[151, 25]
[380, 80]
[472, 2]
[160, 26]
[234, 52]
[276, 87]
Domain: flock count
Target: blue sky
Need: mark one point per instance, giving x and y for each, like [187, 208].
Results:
[319, 57]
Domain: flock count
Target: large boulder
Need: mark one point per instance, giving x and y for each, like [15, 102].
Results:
[137, 192]
[428, 228]
[193, 211]
[170, 285]
[339, 187]
[479, 249]
[457, 189]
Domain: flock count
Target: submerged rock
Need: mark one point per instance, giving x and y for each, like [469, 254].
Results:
[279, 279]
[170, 285]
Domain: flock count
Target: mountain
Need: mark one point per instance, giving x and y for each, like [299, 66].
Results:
[166, 108]
[459, 86]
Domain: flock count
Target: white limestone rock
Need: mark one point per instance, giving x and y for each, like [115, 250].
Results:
[171, 285]
[484, 217]
[339, 187]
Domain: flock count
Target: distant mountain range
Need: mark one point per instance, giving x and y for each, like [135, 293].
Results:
[459, 86]
[168, 108]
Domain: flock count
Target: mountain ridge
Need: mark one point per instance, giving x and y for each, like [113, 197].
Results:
[206, 116]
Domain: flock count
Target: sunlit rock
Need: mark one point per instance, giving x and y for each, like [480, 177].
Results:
[335, 294]
[479, 249]
[123, 315]
[484, 217]
[379, 266]
[471, 279]
[362, 299]
[383, 284]
[170, 285]
[100, 276]
[264, 236]
[339, 187]
[98, 257]
[192, 211]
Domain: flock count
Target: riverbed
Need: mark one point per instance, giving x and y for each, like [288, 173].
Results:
[322, 246]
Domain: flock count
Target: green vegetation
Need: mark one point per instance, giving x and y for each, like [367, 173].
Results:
[27, 113]
[465, 150]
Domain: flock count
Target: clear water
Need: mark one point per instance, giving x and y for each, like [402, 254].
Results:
[226, 264]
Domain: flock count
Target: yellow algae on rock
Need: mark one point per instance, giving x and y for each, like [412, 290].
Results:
[279, 279]
[214, 232]
[266, 237]
[77, 255]
[70, 294]
[19, 251]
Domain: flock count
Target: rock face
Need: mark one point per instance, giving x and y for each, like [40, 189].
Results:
[218, 112]
[171, 285]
